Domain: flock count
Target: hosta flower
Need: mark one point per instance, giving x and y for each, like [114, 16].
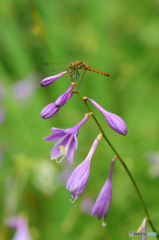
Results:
[67, 140]
[79, 177]
[49, 80]
[102, 203]
[64, 97]
[52, 108]
[113, 120]
[21, 225]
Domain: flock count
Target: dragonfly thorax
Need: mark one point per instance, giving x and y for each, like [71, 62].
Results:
[77, 65]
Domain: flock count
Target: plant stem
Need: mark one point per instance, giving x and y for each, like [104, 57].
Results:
[122, 162]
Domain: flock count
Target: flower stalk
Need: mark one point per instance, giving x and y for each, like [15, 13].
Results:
[120, 159]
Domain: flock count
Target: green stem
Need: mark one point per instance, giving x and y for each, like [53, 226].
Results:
[122, 162]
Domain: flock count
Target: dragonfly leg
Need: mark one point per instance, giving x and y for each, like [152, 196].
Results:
[81, 79]
[77, 75]
[72, 74]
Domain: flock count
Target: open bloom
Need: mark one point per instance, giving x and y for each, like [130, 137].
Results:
[67, 140]
[102, 203]
[113, 120]
[49, 80]
[52, 108]
[79, 177]
[22, 232]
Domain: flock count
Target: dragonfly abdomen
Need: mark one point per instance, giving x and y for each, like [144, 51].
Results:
[93, 70]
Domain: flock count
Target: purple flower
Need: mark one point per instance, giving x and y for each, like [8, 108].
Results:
[22, 232]
[79, 177]
[67, 140]
[49, 111]
[102, 203]
[63, 98]
[52, 108]
[49, 80]
[113, 120]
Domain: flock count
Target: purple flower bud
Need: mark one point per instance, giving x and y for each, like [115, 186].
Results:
[113, 120]
[102, 203]
[49, 80]
[63, 98]
[22, 232]
[49, 111]
[79, 177]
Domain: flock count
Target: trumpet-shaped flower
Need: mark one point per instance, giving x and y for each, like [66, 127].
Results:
[113, 120]
[102, 203]
[22, 232]
[79, 177]
[67, 141]
[49, 80]
[52, 108]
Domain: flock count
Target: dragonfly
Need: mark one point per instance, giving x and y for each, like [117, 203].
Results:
[79, 65]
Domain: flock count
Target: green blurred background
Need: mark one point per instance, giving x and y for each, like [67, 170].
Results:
[118, 37]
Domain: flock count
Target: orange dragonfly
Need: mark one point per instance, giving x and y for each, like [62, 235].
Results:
[78, 65]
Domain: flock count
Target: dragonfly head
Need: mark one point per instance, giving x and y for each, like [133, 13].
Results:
[72, 65]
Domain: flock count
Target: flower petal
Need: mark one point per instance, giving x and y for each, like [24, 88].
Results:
[55, 152]
[54, 136]
[71, 151]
